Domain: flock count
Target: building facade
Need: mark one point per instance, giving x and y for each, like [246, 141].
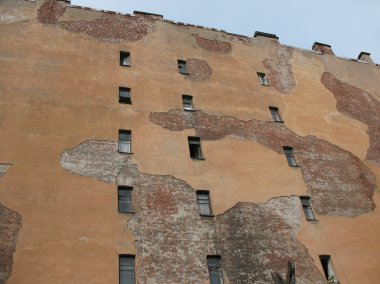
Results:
[135, 149]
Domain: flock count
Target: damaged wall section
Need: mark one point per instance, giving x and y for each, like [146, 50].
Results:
[109, 27]
[339, 183]
[213, 45]
[173, 240]
[360, 105]
[280, 70]
[199, 70]
[10, 225]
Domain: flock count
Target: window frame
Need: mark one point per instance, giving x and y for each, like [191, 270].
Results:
[263, 79]
[307, 208]
[275, 114]
[328, 268]
[290, 157]
[127, 143]
[187, 103]
[125, 99]
[182, 67]
[193, 140]
[215, 271]
[125, 56]
[204, 201]
[128, 189]
[131, 268]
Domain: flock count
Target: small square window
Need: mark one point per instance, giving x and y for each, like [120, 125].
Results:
[195, 148]
[275, 114]
[125, 58]
[288, 151]
[125, 95]
[182, 67]
[187, 102]
[203, 199]
[126, 269]
[125, 199]
[125, 141]
[262, 78]
[307, 209]
[215, 269]
[328, 268]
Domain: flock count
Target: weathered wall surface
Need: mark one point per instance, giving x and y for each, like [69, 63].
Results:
[338, 182]
[59, 98]
[173, 240]
[10, 224]
[359, 105]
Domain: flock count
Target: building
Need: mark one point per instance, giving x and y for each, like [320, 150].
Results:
[162, 152]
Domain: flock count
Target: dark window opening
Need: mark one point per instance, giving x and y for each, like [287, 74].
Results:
[275, 114]
[125, 199]
[328, 268]
[124, 141]
[215, 269]
[125, 95]
[262, 78]
[187, 102]
[126, 269]
[182, 67]
[124, 58]
[288, 151]
[195, 148]
[307, 209]
[203, 199]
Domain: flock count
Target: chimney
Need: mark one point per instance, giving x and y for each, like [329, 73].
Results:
[265, 35]
[323, 48]
[365, 56]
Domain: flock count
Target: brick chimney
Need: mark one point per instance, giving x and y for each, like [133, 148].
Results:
[365, 56]
[323, 48]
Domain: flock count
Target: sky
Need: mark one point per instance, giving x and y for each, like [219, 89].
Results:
[349, 26]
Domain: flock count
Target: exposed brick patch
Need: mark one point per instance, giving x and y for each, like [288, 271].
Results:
[96, 164]
[4, 168]
[359, 105]
[50, 11]
[338, 182]
[10, 224]
[198, 70]
[110, 27]
[256, 241]
[213, 45]
[172, 240]
[280, 70]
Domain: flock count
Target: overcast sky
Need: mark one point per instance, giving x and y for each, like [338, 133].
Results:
[349, 26]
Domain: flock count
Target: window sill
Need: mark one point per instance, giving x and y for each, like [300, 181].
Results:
[312, 220]
[295, 166]
[184, 73]
[125, 153]
[207, 216]
[190, 110]
[125, 103]
[197, 159]
[131, 212]
[279, 121]
[125, 65]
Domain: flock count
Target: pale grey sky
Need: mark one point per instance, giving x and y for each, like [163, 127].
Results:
[349, 26]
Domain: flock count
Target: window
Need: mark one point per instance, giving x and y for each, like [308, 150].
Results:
[182, 67]
[328, 268]
[288, 151]
[126, 269]
[203, 199]
[125, 95]
[124, 141]
[124, 58]
[307, 209]
[195, 148]
[124, 199]
[263, 80]
[187, 102]
[275, 114]
[214, 269]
